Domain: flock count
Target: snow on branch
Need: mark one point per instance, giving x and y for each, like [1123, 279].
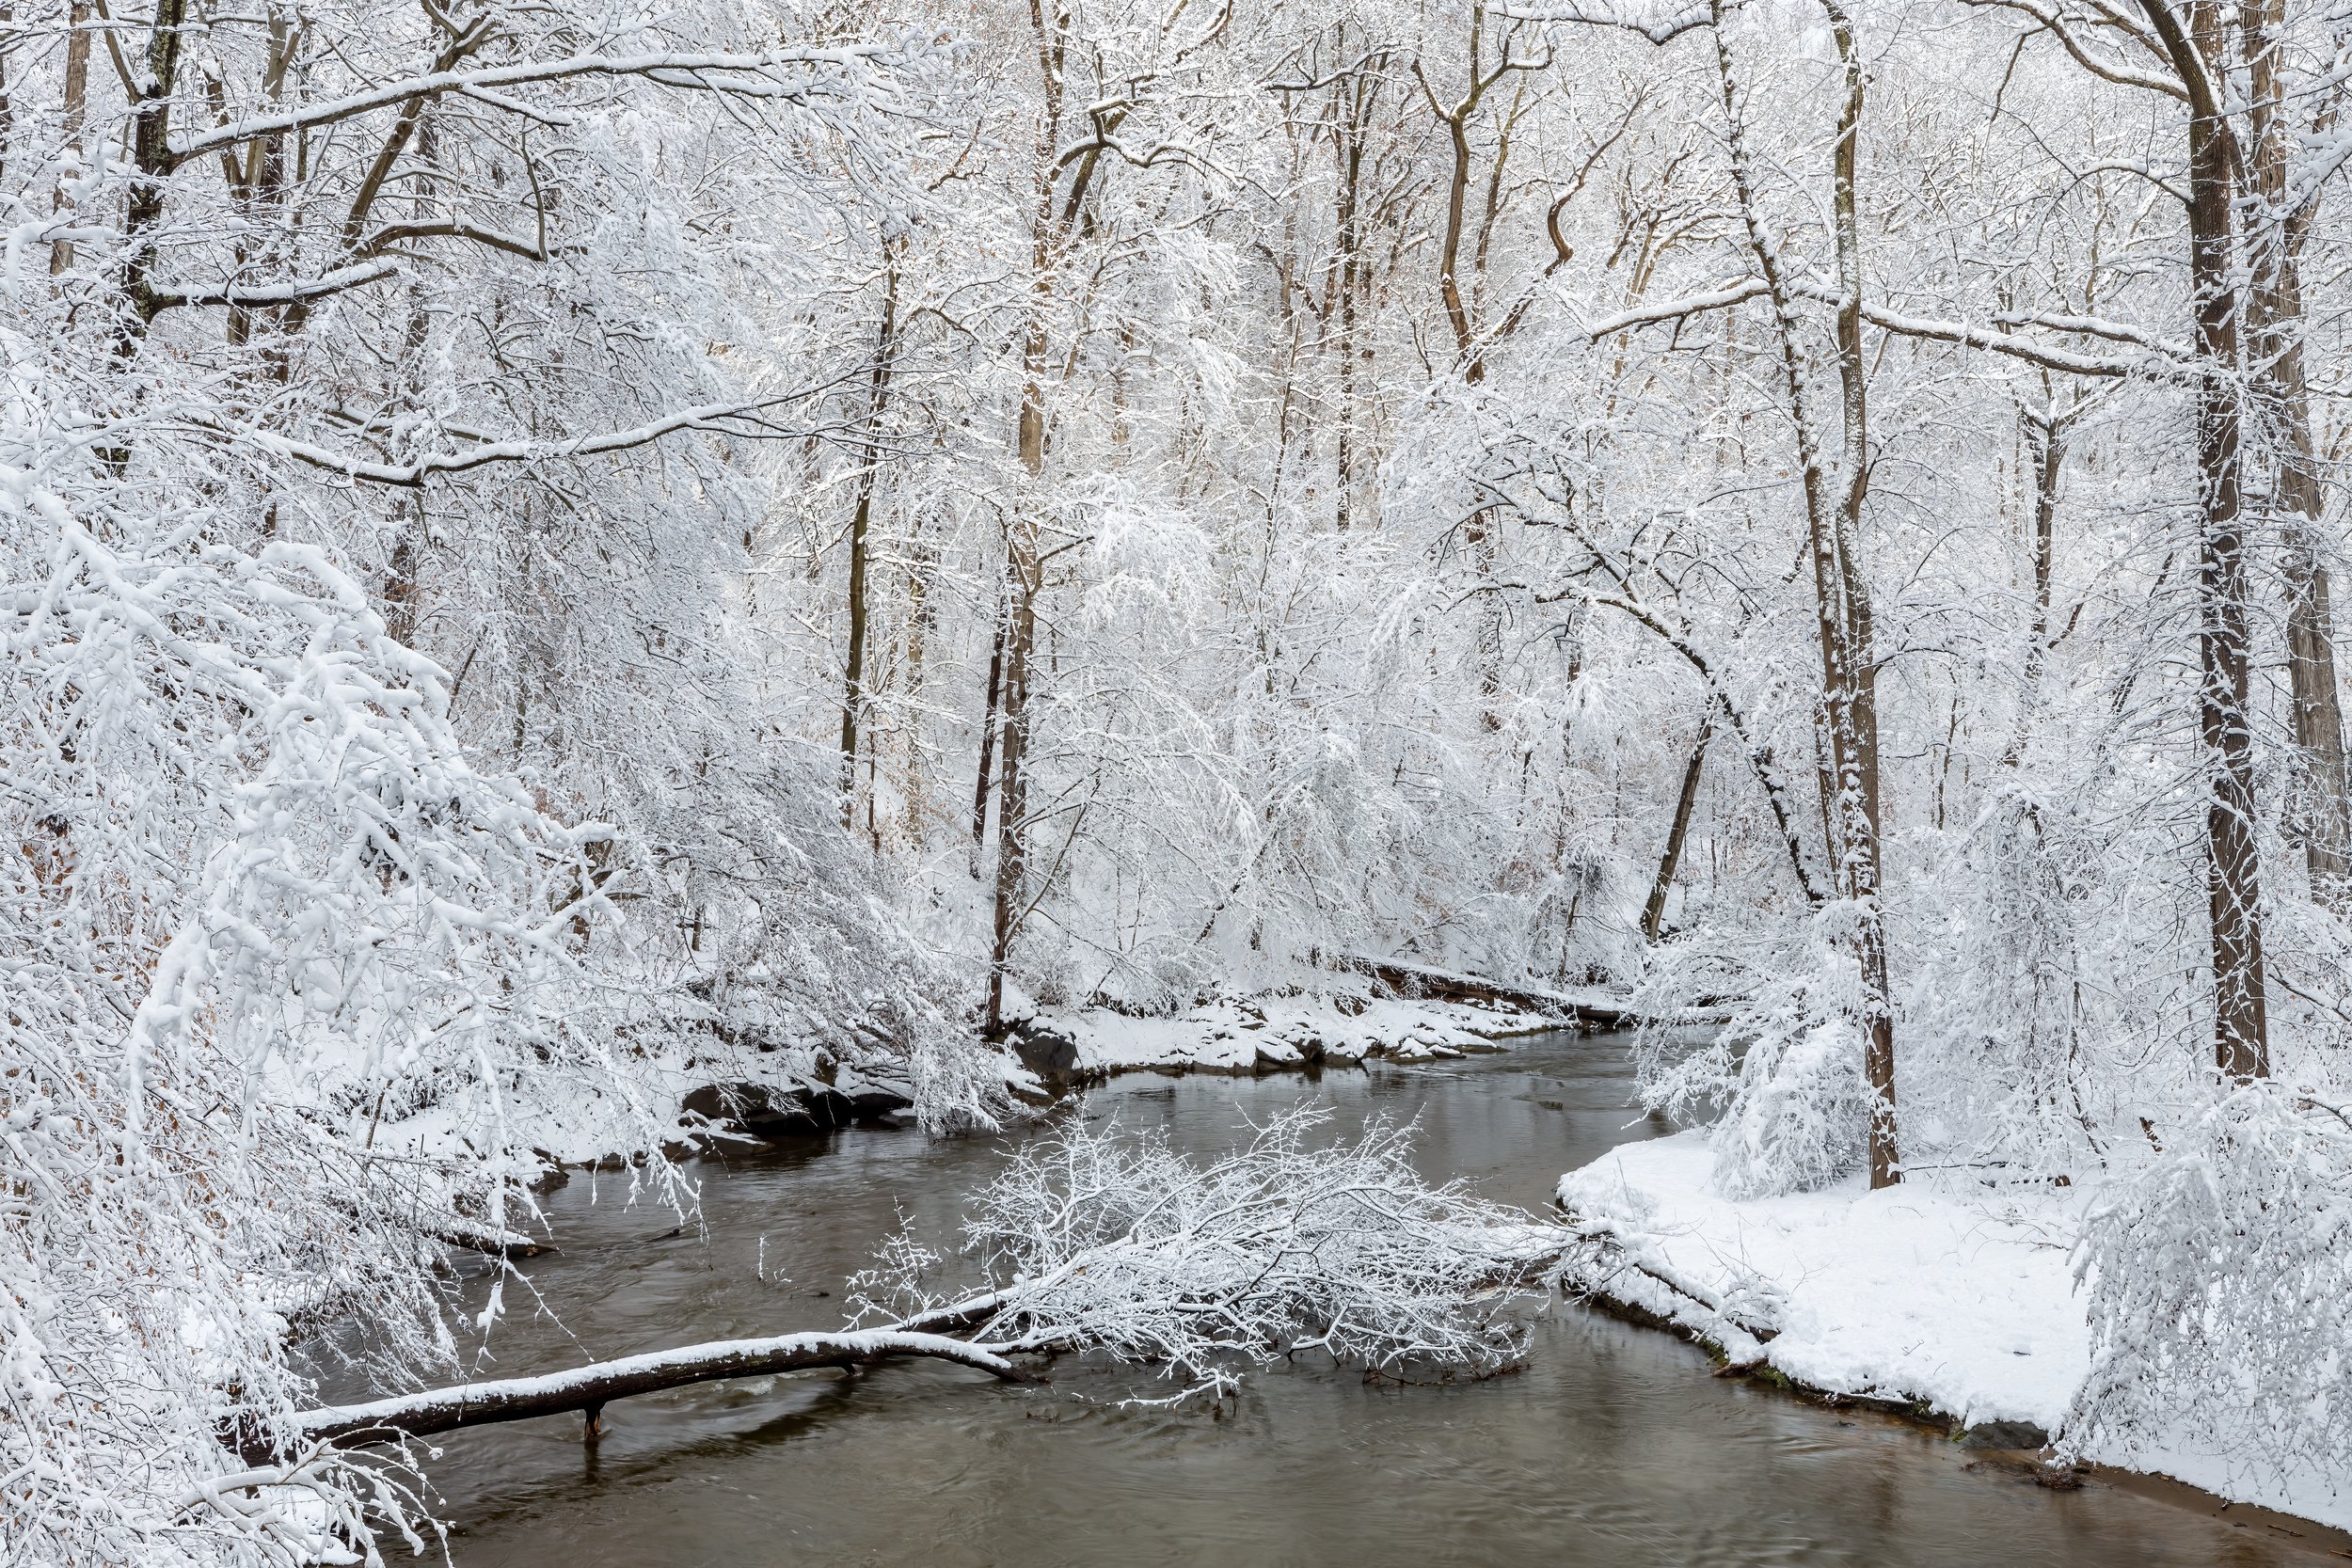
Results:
[2215, 1282]
[252, 296]
[2046, 356]
[748, 75]
[2100, 326]
[1662, 26]
[1998, 343]
[2072, 28]
[1677, 309]
[745, 419]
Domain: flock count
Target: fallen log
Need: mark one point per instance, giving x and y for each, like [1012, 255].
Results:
[1591, 1008]
[1099, 1242]
[489, 1240]
[588, 1389]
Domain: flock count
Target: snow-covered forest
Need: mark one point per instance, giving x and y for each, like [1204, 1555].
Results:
[555, 556]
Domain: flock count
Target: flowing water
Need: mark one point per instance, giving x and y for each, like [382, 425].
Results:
[1614, 1446]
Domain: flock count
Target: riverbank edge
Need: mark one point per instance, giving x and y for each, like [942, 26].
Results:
[1637, 1295]
[1232, 1036]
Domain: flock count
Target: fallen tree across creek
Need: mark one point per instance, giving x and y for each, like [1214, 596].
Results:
[1092, 1241]
[588, 1389]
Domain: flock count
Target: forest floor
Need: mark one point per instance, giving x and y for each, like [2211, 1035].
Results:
[1956, 1307]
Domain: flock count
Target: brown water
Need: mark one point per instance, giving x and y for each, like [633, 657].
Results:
[1614, 1447]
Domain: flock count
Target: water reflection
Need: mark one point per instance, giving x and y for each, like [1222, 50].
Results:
[1614, 1447]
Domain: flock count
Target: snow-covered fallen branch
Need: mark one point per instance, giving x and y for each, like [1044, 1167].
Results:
[1091, 1241]
[591, 1388]
[1096, 1241]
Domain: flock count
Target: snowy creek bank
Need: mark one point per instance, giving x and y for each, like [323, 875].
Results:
[1611, 1447]
[1052, 1052]
[1959, 1308]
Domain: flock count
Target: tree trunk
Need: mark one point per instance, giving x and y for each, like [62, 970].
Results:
[1350, 284]
[151, 155]
[2276, 323]
[7, 105]
[1022, 572]
[1478, 533]
[1012, 835]
[2045, 442]
[1654, 911]
[1849, 714]
[76, 117]
[861, 520]
[1854, 695]
[2232, 871]
[988, 738]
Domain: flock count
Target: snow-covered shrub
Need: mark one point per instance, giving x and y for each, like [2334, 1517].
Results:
[2217, 1279]
[1800, 1117]
[1782, 1080]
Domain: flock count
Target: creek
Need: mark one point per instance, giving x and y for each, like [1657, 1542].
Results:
[1614, 1446]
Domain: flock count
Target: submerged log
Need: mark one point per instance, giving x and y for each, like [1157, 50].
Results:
[591, 1388]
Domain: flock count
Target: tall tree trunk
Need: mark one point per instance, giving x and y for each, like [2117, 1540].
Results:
[7, 105]
[1350, 287]
[2046, 431]
[1012, 835]
[2232, 870]
[1022, 573]
[861, 521]
[1854, 703]
[1478, 533]
[1849, 713]
[76, 117]
[922, 620]
[152, 158]
[2275, 321]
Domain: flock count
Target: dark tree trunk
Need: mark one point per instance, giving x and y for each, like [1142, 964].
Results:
[861, 522]
[1654, 911]
[988, 737]
[2233, 868]
[2275, 325]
